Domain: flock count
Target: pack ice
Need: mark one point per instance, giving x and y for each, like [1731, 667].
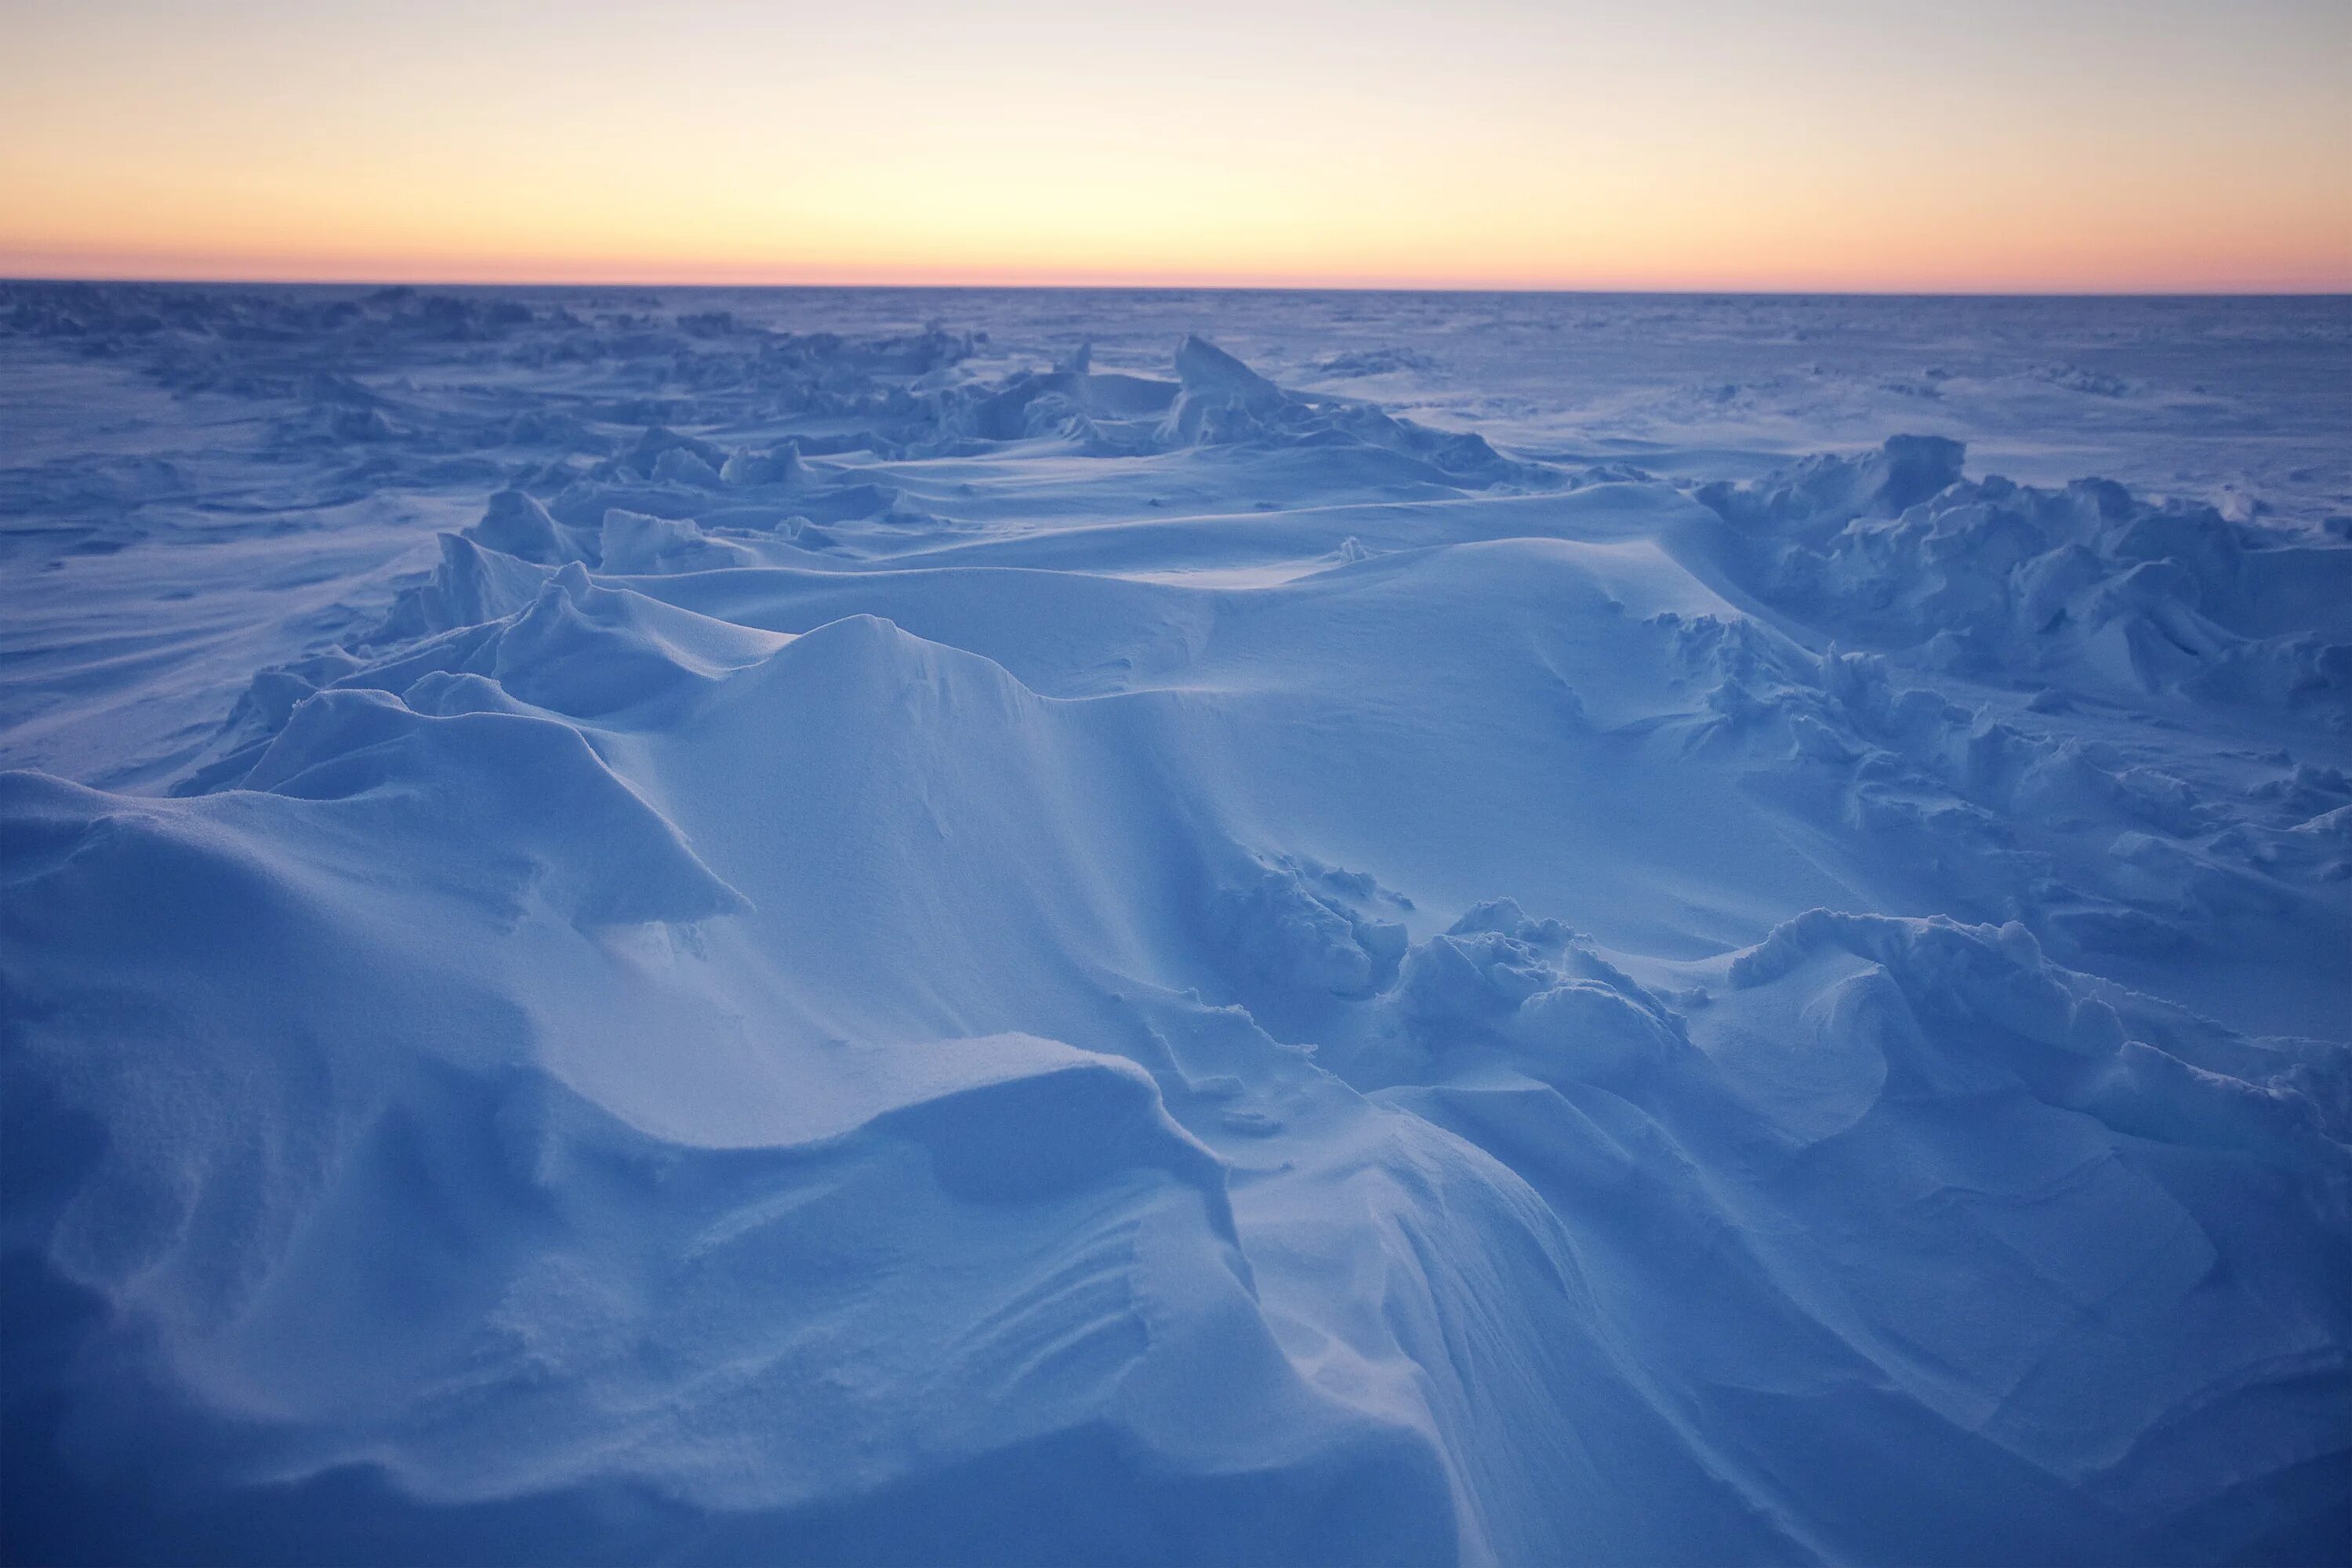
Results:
[985, 944]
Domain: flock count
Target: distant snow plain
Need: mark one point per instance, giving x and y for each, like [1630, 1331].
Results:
[878, 927]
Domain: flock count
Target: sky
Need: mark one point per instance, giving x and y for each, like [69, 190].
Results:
[2063, 146]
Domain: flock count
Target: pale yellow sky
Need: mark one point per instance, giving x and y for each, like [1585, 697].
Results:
[1686, 143]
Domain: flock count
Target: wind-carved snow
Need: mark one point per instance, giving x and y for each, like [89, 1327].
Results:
[887, 954]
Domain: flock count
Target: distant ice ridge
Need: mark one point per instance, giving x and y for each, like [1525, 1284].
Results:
[838, 984]
[1999, 579]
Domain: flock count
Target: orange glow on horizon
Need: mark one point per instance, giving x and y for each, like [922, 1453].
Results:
[1053, 145]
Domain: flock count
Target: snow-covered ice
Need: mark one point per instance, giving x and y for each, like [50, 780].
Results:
[1017, 928]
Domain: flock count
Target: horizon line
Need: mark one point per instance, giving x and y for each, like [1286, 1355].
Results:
[1892, 292]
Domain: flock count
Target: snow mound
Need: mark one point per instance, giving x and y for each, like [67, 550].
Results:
[805, 941]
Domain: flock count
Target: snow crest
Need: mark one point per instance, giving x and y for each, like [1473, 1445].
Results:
[895, 955]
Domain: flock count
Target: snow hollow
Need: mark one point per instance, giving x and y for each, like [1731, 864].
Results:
[1096, 928]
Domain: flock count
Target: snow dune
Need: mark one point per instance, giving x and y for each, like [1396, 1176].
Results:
[884, 954]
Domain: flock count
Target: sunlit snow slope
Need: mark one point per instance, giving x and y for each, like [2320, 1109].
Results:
[914, 944]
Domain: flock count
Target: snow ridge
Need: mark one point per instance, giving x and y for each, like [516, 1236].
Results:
[838, 980]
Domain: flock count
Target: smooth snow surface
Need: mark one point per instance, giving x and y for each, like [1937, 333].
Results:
[1139, 929]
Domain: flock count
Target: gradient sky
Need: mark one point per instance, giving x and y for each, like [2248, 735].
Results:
[2060, 145]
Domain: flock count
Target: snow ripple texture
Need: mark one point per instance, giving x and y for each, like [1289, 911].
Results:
[938, 945]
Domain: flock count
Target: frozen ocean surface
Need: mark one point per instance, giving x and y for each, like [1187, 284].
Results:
[889, 927]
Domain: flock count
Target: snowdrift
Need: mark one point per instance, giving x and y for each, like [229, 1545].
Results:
[837, 981]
